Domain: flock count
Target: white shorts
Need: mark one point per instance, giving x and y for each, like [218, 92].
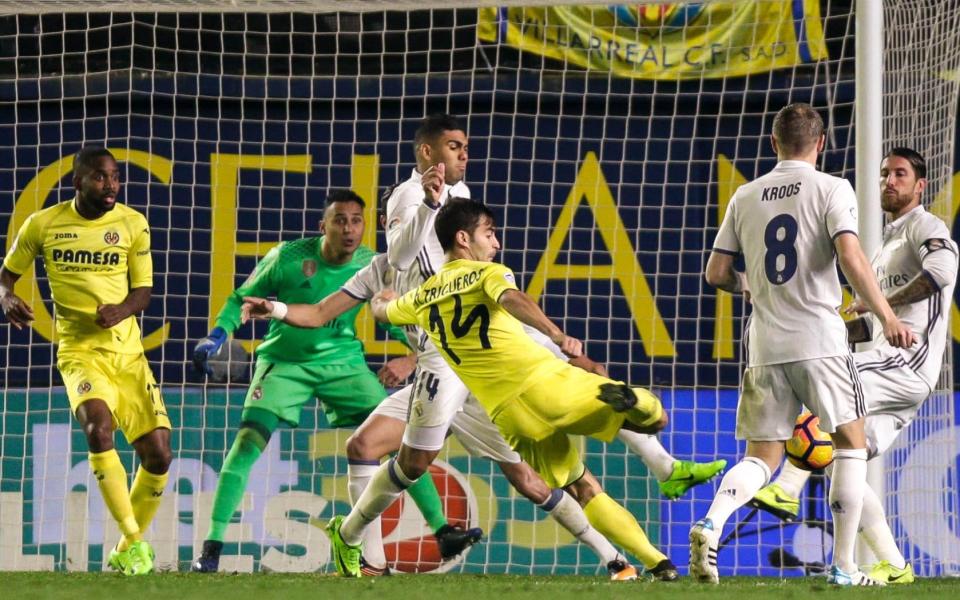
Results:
[471, 426]
[894, 393]
[479, 436]
[436, 398]
[771, 397]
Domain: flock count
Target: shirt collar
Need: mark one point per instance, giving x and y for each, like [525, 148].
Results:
[893, 226]
[794, 164]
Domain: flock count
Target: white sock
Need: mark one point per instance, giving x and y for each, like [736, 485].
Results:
[358, 477]
[562, 507]
[876, 532]
[846, 503]
[650, 451]
[738, 485]
[385, 486]
[792, 479]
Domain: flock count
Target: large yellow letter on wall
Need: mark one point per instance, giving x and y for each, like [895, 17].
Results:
[364, 176]
[592, 186]
[224, 247]
[32, 200]
[728, 180]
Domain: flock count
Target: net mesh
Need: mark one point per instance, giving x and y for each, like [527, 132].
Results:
[234, 120]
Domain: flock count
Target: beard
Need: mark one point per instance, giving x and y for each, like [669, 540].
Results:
[893, 202]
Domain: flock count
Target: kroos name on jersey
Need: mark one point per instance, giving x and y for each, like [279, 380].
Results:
[780, 192]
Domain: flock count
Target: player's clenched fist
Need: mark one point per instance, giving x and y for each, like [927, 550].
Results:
[16, 310]
[570, 346]
[432, 181]
[898, 334]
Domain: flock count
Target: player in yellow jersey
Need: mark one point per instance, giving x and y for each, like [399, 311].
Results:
[472, 310]
[97, 257]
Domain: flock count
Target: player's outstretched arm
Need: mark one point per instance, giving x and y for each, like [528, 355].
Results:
[860, 275]
[15, 309]
[525, 310]
[308, 316]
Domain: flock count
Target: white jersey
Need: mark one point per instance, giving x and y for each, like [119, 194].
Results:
[785, 223]
[412, 244]
[376, 276]
[914, 243]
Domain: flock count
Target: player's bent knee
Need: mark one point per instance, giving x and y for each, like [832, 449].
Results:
[414, 462]
[526, 481]
[99, 436]
[360, 448]
[585, 488]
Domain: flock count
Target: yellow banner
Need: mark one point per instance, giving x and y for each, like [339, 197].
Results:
[679, 40]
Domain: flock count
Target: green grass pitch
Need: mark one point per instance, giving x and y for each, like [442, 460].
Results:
[183, 586]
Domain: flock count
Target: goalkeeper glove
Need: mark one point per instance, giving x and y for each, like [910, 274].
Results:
[208, 347]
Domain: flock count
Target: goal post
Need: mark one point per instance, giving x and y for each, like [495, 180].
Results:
[607, 139]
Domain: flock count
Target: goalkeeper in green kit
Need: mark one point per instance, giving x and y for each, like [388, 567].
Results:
[296, 365]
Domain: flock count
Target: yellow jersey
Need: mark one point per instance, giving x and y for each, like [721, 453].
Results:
[484, 344]
[88, 263]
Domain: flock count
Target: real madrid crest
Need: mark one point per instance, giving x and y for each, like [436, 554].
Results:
[309, 267]
[111, 237]
[257, 393]
[84, 387]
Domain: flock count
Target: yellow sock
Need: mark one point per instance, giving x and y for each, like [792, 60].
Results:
[112, 480]
[145, 496]
[619, 526]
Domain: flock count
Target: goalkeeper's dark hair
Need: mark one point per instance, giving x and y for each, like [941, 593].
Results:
[913, 157]
[342, 195]
[797, 127]
[433, 127]
[459, 214]
[86, 158]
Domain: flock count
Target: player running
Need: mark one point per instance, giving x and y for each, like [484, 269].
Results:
[97, 256]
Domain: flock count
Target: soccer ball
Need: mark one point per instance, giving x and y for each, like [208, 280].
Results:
[809, 449]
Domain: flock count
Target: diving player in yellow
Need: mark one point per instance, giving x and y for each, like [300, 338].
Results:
[472, 310]
[97, 257]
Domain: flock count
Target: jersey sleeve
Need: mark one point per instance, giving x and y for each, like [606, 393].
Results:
[261, 283]
[139, 261]
[369, 280]
[496, 280]
[726, 241]
[402, 311]
[544, 341]
[930, 239]
[409, 223]
[841, 214]
[25, 248]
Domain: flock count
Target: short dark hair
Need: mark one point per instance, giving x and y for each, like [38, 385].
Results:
[913, 157]
[343, 195]
[87, 156]
[459, 214]
[796, 127]
[433, 127]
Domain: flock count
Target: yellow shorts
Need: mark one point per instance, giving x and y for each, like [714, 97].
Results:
[123, 381]
[566, 402]
[556, 458]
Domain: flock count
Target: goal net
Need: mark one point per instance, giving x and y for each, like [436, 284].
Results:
[607, 138]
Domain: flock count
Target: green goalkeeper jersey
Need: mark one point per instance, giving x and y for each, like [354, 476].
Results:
[296, 273]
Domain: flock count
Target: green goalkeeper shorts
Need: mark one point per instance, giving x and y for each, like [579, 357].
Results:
[347, 393]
